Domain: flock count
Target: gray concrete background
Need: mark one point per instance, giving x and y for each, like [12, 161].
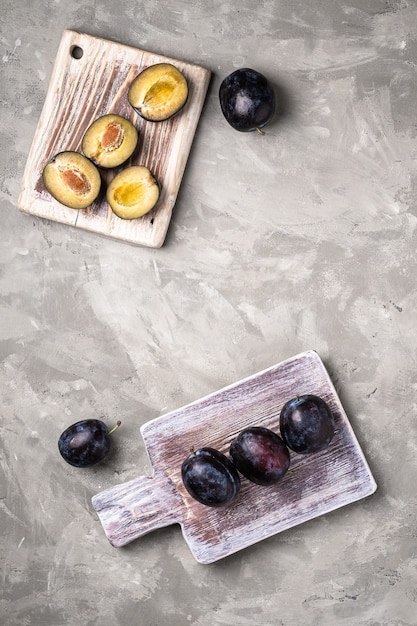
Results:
[302, 239]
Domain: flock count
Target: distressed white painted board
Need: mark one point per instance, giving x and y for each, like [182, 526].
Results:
[315, 484]
[82, 89]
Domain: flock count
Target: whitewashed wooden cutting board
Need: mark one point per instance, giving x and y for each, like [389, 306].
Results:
[315, 484]
[82, 89]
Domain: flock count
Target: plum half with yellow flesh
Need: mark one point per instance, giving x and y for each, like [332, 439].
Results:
[110, 140]
[158, 92]
[133, 192]
[72, 179]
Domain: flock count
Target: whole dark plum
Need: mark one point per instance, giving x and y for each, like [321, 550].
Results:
[210, 477]
[306, 424]
[247, 100]
[260, 455]
[86, 442]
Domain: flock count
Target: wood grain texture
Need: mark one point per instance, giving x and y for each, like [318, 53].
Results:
[81, 90]
[315, 484]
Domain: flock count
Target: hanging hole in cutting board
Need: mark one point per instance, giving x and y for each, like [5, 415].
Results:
[76, 52]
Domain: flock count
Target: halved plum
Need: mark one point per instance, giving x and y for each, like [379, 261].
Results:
[110, 140]
[72, 179]
[158, 92]
[133, 192]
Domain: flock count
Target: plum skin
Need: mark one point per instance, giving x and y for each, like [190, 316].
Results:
[247, 100]
[84, 443]
[260, 455]
[210, 477]
[307, 424]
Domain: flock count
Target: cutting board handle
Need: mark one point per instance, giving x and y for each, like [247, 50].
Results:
[132, 509]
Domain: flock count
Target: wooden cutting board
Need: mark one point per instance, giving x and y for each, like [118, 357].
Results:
[82, 89]
[315, 484]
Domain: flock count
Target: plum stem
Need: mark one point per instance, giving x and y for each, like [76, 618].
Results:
[115, 427]
[260, 131]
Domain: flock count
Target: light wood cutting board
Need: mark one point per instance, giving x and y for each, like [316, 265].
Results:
[82, 89]
[315, 484]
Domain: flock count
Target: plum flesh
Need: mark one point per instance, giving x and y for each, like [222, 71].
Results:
[110, 140]
[159, 92]
[72, 179]
[133, 192]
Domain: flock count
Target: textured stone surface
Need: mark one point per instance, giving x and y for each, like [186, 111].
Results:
[302, 239]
